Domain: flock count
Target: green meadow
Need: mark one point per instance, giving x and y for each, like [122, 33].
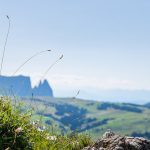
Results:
[68, 115]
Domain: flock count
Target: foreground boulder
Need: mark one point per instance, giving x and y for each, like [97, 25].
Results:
[112, 141]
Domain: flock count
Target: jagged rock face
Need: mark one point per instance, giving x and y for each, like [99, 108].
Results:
[21, 86]
[116, 142]
[43, 89]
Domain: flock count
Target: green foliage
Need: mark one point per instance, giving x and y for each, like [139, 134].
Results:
[123, 107]
[18, 132]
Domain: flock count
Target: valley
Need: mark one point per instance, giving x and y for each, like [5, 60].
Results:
[92, 117]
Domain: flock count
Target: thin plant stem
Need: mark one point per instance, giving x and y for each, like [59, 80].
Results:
[3, 55]
[38, 53]
[51, 66]
[76, 94]
[45, 73]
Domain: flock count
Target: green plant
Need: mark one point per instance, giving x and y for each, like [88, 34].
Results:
[19, 132]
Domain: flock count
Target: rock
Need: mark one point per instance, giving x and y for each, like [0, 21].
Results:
[21, 86]
[108, 134]
[112, 141]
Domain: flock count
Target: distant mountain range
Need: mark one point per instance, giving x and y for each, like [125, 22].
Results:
[122, 95]
[139, 96]
[21, 86]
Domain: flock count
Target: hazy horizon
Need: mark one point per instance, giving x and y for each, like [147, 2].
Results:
[105, 44]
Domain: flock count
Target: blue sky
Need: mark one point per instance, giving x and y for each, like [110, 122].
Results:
[106, 44]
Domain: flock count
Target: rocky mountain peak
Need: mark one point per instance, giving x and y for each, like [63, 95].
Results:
[43, 89]
[21, 86]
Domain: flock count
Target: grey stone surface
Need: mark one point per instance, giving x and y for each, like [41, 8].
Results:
[111, 141]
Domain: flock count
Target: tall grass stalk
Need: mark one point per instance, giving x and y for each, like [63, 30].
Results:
[4, 49]
[47, 70]
[51, 66]
[36, 54]
[76, 94]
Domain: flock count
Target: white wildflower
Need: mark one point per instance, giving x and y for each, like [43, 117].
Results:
[41, 128]
[75, 143]
[18, 130]
[52, 138]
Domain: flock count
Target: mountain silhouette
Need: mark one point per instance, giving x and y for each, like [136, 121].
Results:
[21, 86]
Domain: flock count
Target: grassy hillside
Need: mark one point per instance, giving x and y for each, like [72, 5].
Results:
[68, 114]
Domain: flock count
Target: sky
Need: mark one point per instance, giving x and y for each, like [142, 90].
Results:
[105, 43]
